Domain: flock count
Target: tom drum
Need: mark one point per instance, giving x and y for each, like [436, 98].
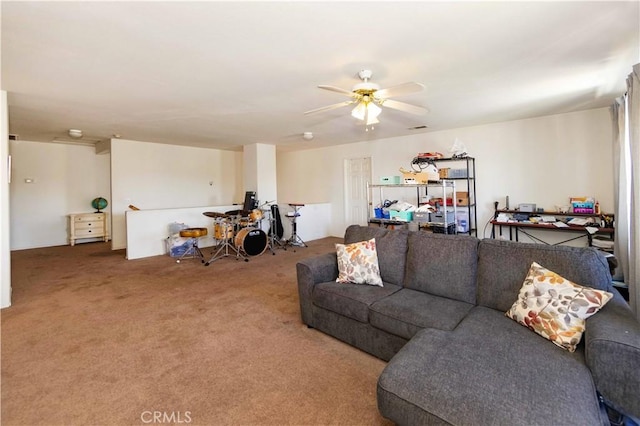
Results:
[223, 230]
[255, 215]
[252, 241]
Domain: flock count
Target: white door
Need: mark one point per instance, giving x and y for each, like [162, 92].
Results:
[357, 172]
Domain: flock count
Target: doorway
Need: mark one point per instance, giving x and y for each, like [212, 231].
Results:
[357, 174]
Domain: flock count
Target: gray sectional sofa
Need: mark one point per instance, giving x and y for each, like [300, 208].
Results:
[454, 357]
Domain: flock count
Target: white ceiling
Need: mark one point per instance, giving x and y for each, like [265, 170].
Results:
[227, 74]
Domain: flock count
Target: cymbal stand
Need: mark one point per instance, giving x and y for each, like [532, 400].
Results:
[270, 241]
[223, 250]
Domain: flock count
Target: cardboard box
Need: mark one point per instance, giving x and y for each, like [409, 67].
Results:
[462, 198]
[443, 172]
[415, 177]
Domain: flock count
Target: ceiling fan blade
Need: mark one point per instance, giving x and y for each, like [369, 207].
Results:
[339, 90]
[329, 107]
[402, 106]
[399, 90]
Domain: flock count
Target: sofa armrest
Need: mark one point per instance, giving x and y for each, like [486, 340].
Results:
[318, 269]
[612, 350]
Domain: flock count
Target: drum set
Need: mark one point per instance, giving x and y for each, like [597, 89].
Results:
[239, 233]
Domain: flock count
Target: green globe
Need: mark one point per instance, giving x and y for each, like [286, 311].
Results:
[99, 204]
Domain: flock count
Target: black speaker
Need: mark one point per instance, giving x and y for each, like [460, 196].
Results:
[250, 201]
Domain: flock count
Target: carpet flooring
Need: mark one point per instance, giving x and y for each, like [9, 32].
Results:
[94, 339]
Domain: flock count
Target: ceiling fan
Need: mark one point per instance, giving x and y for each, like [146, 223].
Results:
[368, 98]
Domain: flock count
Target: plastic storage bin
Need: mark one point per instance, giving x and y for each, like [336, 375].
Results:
[397, 215]
[390, 180]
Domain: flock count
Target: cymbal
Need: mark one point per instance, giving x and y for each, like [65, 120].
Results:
[243, 213]
[215, 214]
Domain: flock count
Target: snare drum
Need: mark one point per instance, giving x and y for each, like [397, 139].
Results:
[251, 241]
[223, 230]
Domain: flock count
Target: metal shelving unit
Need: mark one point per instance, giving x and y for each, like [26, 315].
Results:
[445, 185]
[468, 182]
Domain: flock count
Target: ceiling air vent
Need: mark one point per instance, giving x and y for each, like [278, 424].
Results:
[13, 137]
[419, 127]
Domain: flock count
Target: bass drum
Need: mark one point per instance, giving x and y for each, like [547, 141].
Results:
[251, 241]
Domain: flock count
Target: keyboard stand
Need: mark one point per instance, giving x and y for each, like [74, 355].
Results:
[295, 240]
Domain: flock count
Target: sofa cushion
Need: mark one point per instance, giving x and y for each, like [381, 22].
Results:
[391, 246]
[407, 311]
[554, 307]
[489, 370]
[358, 263]
[444, 265]
[350, 300]
[503, 265]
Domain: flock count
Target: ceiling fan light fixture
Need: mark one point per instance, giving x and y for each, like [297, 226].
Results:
[369, 98]
[373, 110]
[359, 111]
[367, 112]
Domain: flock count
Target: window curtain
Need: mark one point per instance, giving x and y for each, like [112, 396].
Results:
[625, 113]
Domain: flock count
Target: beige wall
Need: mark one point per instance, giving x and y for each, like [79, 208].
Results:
[542, 160]
[159, 176]
[65, 180]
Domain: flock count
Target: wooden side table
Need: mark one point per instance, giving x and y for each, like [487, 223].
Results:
[87, 225]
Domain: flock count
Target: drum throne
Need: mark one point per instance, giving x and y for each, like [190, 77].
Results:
[193, 252]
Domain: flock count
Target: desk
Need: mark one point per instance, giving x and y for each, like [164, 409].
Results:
[524, 227]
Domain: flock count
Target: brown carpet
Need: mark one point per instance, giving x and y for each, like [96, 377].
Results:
[94, 339]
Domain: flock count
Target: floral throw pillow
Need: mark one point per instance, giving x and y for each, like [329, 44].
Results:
[555, 307]
[358, 263]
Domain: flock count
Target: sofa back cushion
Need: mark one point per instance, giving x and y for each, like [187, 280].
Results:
[443, 265]
[503, 266]
[391, 247]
